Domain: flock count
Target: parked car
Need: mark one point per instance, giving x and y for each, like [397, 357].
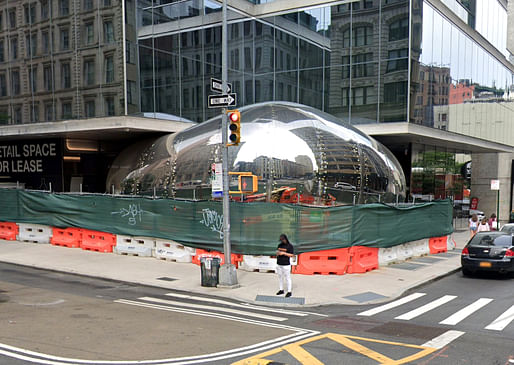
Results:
[344, 186]
[508, 228]
[479, 213]
[488, 251]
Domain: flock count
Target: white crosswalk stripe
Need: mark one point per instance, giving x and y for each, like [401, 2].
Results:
[391, 305]
[466, 311]
[499, 324]
[427, 307]
[502, 321]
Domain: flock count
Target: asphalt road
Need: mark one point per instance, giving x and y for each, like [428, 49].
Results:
[53, 318]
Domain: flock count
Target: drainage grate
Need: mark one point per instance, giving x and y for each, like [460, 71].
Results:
[427, 260]
[165, 278]
[280, 299]
[407, 266]
[365, 297]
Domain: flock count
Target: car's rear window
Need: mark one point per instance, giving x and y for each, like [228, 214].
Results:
[508, 229]
[504, 240]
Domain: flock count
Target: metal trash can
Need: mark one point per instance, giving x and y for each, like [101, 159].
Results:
[210, 267]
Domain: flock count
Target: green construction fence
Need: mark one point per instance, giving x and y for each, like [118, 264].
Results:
[255, 227]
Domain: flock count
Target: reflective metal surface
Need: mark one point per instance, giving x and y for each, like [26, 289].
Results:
[290, 147]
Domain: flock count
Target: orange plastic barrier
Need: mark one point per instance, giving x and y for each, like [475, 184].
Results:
[97, 241]
[67, 237]
[438, 244]
[362, 259]
[326, 262]
[234, 258]
[8, 231]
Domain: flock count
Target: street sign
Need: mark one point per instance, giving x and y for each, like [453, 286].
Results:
[217, 179]
[221, 101]
[216, 85]
[495, 184]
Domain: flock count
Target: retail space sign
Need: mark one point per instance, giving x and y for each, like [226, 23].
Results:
[33, 162]
[495, 184]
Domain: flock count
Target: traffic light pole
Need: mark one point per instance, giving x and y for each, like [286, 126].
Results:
[227, 273]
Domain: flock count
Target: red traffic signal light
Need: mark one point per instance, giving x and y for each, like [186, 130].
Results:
[248, 183]
[234, 119]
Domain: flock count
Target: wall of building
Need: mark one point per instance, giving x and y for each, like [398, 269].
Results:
[60, 60]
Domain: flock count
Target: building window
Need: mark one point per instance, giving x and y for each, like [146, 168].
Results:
[12, 18]
[1, 20]
[107, 3]
[361, 65]
[47, 77]
[131, 92]
[66, 112]
[88, 5]
[30, 13]
[17, 114]
[66, 75]
[45, 41]
[109, 69]
[419, 100]
[362, 36]
[31, 44]
[108, 32]
[89, 109]
[14, 48]
[33, 78]
[109, 106]
[15, 82]
[45, 10]
[89, 72]
[49, 112]
[34, 113]
[345, 96]
[3, 85]
[399, 30]
[131, 52]
[89, 33]
[395, 92]
[64, 7]
[397, 60]
[2, 50]
[65, 39]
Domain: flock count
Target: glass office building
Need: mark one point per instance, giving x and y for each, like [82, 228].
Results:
[366, 62]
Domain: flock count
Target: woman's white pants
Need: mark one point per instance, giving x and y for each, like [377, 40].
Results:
[284, 274]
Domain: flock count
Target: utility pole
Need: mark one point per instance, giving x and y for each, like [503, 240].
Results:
[227, 274]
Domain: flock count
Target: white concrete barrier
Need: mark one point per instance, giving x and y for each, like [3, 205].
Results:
[451, 244]
[405, 252]
[258, 263]
[387, 255]
[36, 233]
[420, 247]
[137, 246]
[173, 251]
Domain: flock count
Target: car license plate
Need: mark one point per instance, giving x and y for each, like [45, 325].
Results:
[485, 264]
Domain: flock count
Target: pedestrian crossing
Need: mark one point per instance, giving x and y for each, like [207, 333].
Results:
[498, 324]
[212, 307]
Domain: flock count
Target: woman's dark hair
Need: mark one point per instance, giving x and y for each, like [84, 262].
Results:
[283, 236]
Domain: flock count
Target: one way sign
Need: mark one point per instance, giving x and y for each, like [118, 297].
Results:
[221, 101]
[216, 85]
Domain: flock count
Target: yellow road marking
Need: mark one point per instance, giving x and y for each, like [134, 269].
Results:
[304, 357]
[301, 355]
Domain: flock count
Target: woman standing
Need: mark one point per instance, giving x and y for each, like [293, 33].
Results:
[493, 223]
[285, 251]
[473, 225]
[483, 226]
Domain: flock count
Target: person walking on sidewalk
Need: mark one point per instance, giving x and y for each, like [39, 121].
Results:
[473, 225]
[285, 251]
[483, 226]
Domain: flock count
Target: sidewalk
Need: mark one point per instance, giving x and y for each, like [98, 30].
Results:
[373, 287]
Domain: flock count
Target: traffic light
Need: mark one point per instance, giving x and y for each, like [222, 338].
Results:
[248, 183]
[234, 127]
